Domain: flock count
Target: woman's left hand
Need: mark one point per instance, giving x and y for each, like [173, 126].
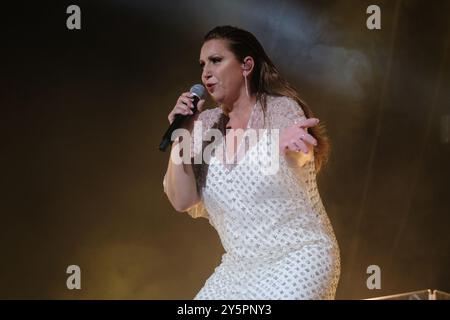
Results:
[296, 137]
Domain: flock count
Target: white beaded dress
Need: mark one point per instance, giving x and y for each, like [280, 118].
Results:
[278, 240]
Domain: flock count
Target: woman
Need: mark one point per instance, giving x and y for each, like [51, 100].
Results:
[278, 239]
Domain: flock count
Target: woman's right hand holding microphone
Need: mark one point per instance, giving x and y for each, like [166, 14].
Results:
[184, 106]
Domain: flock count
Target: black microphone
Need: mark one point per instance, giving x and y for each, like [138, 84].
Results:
[199, 92]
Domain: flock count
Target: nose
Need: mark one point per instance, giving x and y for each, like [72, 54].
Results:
[206, 74]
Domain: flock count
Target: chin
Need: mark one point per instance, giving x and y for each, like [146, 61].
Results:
[216, 98]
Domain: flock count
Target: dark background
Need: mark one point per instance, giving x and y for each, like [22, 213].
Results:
[82, 114]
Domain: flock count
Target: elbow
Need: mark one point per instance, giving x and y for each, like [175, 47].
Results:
[182, 204]
[180, 207]
[181, 201]
[183, 207]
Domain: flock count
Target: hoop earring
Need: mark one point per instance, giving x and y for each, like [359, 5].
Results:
[246, 86]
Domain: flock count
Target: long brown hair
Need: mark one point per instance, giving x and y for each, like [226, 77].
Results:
[267, 80]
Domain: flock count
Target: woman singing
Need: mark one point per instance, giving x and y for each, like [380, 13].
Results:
[278, 240]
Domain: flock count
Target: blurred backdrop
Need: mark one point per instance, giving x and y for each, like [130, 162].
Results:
[83, 112]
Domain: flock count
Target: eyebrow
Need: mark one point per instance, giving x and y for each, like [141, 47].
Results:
[215, 55]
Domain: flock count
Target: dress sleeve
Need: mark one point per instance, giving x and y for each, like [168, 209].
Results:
[286, 112]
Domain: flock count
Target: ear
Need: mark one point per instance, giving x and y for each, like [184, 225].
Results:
[247, 65]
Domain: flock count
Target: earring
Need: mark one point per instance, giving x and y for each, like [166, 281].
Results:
[246, 86]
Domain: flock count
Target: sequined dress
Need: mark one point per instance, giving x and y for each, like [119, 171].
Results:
[278, 240]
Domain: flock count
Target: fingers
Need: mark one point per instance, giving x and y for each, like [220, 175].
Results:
[186, 94]
[298, 145]
[302, 134]
[308, 138]
[182, 109]
[183, 106]
[295, 145]
[186, 101]
[303, 126]
[297, 139]
[307, 123]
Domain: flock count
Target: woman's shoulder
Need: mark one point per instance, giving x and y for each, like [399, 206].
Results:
[279, 99]
[283, 105]
[211, 112]
[210, 116]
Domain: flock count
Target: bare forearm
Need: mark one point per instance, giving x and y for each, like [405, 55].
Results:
[180, 185]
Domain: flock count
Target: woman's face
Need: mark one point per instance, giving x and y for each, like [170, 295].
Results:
[222, 73]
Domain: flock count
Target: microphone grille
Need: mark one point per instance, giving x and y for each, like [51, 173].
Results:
[199, 90]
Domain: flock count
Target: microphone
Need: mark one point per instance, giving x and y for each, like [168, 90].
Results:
[199, 92]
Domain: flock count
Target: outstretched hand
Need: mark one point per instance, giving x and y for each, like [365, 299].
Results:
[296, 137]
